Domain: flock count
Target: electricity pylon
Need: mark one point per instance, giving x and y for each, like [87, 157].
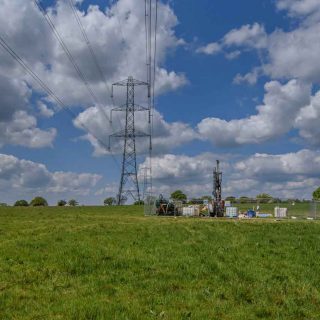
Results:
[129, 184]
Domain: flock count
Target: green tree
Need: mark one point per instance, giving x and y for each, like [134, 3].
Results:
[109, 201]
[73, 203]
[178, 195]
[39, 202]
[21, 203]
[316, 194]
[61, 203]
[206, 198]
[231, 199]
[139, 203]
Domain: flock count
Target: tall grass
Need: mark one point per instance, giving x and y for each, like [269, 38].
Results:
[113, 263]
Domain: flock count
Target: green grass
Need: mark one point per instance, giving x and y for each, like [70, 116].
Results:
[113, 263]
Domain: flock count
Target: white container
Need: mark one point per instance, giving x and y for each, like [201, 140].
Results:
[191, 211]
[231, 212]
[280, 212]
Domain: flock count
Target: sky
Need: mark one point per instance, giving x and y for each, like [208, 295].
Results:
[235, 80]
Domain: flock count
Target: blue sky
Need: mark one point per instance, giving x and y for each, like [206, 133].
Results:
[206, 106]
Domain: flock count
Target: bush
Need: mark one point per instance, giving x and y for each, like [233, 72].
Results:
[21, 203]
[39, 202]
[109, 201]
[61, 203]
[139, 203]
[73, 203]
[316, 194]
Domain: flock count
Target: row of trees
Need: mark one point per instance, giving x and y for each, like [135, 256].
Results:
[176, 195]
[42, 202]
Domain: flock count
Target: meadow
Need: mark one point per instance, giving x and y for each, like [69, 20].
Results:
[114, 263]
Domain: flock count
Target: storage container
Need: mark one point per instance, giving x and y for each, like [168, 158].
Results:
[231, 212]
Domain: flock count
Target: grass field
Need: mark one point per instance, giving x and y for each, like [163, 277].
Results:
[113, 263]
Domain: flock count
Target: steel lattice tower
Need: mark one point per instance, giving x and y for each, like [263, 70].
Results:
[129, 184]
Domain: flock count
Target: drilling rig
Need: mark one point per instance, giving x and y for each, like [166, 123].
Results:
[218, 203]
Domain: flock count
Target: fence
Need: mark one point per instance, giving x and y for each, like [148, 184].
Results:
[296, 209]
[307, 210]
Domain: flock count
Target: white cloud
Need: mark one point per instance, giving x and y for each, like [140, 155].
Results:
[44, 110]
[299, 7]
[275, 167]
[250, 78]
[283, 54]
[307, 121]
[233, 55]
[210, 48]
[191, 174]
[275, 117]
[22, 130]
[283, 175]
[294, 54]
[31, 178]
[29, 35]
[253, 36]
[166, 136]
[247, 36]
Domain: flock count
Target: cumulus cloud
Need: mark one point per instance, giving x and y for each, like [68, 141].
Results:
[22, 130]
[191, 174]
[253, 36]
[284, 54]
[210, 48]
[44, 110]
[282, 175]
[299, 7]
[250, 78]
[307, 121]
[247, 36]
[18, 175]
[275, 117]
[116, 35]
[294, 54]
[17, 126]
[275, 167]
[166, 136]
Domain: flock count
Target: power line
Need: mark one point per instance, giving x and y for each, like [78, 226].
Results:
[28, 70]
[121, 31]
[65, 48]
[87, 41]
[155, 53]
[16, 57]
[146, 33]
[94, 56]
[70, 57]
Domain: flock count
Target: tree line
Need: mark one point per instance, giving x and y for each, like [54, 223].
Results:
[42, 202]
[176, 195]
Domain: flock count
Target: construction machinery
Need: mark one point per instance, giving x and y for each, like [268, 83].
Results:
[217, 209]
